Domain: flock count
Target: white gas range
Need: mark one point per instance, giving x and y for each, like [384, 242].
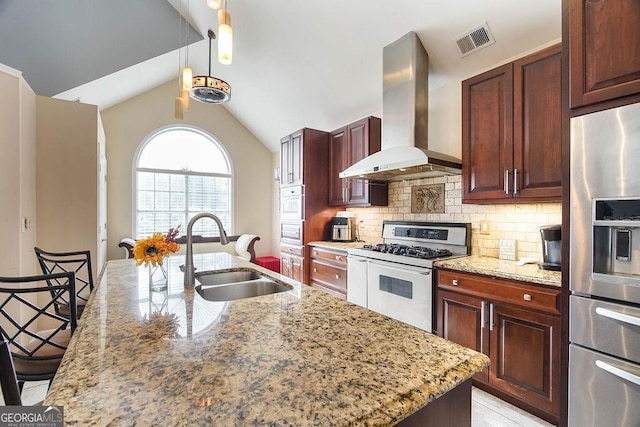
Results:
[395, 278]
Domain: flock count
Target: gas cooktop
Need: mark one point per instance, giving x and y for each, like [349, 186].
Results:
[405, 242]
[410, 251]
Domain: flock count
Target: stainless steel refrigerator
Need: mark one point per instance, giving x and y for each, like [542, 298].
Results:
[604, 307]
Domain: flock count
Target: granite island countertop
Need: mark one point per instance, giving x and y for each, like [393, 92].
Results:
[502, 268]
[294, 358]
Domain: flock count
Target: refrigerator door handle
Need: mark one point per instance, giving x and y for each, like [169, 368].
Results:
[618, 372]
[615, 315]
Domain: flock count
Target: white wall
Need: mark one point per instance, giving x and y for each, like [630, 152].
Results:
[127, 124]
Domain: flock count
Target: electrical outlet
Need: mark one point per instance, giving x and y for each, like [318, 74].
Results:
[507, 249]
[484, 227]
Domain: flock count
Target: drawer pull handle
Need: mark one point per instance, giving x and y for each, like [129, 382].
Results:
[618, 372]
[455, 283]
[526, 297]
[618, 316]
[491, 324]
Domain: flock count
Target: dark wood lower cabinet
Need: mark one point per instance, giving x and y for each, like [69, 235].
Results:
[329, 271]
[517, 325]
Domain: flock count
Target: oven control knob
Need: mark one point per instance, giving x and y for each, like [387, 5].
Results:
[455, 283]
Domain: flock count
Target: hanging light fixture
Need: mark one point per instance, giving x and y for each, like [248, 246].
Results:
[225, 36]
[187, 74]
[210, 90]
[213, 4]
[181, 102]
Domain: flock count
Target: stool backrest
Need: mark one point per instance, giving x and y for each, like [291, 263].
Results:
[28, 320]
[78, 262]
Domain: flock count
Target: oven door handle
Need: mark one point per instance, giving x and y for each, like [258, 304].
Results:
[621, 373]
[425, 271]
[615, 315]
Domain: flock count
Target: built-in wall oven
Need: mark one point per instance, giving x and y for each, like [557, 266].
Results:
[395, 278]
[604, 273]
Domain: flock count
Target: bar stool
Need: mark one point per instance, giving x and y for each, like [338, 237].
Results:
[80, 263]
[8, 380]
[26, 303]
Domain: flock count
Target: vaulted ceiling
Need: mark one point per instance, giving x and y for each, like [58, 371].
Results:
[296, 63]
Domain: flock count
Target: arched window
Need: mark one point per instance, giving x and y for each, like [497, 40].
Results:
[181, 171]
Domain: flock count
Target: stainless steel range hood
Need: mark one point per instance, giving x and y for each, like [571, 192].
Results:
[405, 100]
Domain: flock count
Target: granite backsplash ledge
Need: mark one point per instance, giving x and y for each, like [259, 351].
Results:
[511, 221]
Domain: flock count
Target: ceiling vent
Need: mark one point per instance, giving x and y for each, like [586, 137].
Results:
[475, 39]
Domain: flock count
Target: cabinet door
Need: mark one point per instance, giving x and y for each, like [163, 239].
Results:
[537, 127]
[338, 152]
[525, 361]
[296, 166]
[358, 138]
[604, 50]
[461, 319]
[487, 134]
[285, 265]
[297, 269]
[285, 161]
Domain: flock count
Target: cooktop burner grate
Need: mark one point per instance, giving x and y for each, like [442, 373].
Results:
[410, 251]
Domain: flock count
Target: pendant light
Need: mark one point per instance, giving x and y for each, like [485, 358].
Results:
[225, 36]
[213, 4]
[207, 89]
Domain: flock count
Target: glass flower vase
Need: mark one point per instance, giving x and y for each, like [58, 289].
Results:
[158, 279]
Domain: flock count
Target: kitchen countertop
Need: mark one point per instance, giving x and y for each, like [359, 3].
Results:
[338, 245]
[295, 358]
[502, 268]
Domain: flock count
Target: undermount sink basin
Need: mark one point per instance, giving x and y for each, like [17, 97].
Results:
[234, 285]
[207, 278]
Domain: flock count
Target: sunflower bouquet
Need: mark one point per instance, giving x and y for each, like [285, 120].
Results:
[154, 249]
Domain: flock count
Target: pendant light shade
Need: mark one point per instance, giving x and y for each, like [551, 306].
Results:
[225, 37]
[214, 4]
[179, 108]
[187, 76]
[207, 89]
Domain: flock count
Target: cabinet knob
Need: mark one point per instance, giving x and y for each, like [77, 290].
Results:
[338, 258]
[527, 297]
[315, 270]
[337, 276]
[454, 282]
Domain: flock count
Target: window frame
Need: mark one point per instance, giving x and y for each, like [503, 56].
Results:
[135, 169]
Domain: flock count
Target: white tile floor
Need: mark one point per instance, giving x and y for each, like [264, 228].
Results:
[487, 410]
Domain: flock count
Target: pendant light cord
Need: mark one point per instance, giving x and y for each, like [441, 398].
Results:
[212, 36]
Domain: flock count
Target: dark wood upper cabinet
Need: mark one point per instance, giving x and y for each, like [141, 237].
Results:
[511, 131]
[604, 50]
[348, 145]
[537, 125]
[487, 134]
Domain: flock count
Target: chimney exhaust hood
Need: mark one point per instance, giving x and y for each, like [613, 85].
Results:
[405, 100]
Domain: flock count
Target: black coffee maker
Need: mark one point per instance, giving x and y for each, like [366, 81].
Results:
[551, 247]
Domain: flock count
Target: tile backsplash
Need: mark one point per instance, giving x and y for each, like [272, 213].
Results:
[512, 221]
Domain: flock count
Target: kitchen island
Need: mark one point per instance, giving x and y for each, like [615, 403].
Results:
[294, 358]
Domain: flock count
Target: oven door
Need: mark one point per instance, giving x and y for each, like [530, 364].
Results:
[401, 292]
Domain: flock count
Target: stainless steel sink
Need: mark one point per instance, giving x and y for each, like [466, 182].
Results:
[207, 278]
[234, 285]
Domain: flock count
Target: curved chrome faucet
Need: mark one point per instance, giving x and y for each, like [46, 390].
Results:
[189, 270]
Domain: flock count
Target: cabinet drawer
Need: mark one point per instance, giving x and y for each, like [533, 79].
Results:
[329, 275]
[293, 250]
[291, 232]
[337, 257]
[499, 290]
